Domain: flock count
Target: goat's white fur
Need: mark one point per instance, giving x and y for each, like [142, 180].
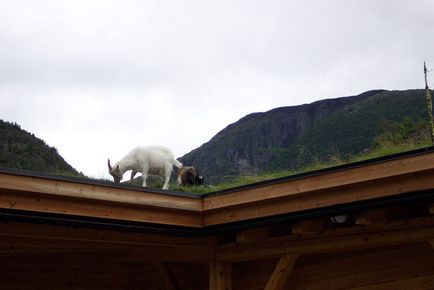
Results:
[149, 160]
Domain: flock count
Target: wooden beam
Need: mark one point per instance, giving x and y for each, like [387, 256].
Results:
[220, 275]
[420, 283]
[107, 193]
[213, 275]
[294, 201]
[102, 201]
[310, 226]
[383, 216]
[281, 272]
[109, 255]
[40, 232]
[318, 182]
[168, 281]
[283, 245]
[366, 266]
[97, 208]
[252, 235]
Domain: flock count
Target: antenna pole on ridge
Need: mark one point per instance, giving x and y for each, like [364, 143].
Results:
[429, 104]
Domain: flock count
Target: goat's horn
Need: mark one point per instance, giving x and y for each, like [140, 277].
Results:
[109, 165]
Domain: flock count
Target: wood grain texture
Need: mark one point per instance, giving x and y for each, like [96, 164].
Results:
[281, 272]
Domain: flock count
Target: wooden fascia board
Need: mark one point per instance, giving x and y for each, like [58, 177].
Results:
[364, 182]
[390, 178]
[315, 200]
[324, 181]
[79, 199]
[58, 188]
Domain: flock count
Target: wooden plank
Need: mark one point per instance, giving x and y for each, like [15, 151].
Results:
[374, 217]
[220, 275]
[350, 176]
[36, 185]
[411, 223]
[253, 275]
[191, 275]
[166, 276]
[97, 208]
[310, 226]
[281, 272]
[364, 277]
[284, 245]
[347, 268]
[419, 283]
[317, 199]
[148, 254]
[111, 238]
[383, 216]
[324, 266]
[85, 277]
[252, 235]
[213, 275]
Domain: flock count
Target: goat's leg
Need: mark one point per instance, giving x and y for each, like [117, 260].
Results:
[144, 176]
[166, 182]
[167, 172]
[133, 173]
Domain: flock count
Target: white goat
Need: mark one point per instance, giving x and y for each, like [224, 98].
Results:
[152, 160]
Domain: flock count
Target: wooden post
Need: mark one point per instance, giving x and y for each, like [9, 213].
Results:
[220, 275]
[281, 272]
[429, 104]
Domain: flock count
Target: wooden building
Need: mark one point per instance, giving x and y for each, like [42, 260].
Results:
[368, 225]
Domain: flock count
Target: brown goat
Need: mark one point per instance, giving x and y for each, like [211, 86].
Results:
[187, 175]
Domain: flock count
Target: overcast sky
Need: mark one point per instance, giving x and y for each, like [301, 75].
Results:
[96, 78]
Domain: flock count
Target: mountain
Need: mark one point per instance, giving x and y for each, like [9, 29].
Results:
[22, 150]
[289, 137]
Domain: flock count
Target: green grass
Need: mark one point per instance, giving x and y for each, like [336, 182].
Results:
[250, 179]
[396, 137]
[379, 151]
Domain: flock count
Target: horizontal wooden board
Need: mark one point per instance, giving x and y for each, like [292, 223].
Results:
[317, 199]
[274, 247]
[71, 235]
[37, 185]
[324, 181]
[29, 201]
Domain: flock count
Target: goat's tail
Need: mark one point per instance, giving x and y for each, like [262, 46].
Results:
[177, 163]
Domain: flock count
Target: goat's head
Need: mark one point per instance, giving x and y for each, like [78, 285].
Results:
[115, 172]
[199, 179]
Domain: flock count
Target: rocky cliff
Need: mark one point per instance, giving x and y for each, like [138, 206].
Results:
[287, 137]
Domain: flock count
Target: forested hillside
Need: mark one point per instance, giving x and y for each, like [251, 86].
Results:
[23, 150]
